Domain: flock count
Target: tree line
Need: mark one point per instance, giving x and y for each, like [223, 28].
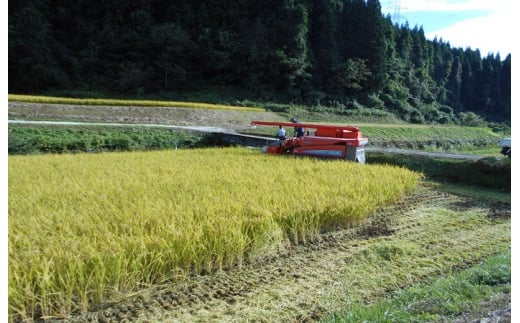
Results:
[342, 54]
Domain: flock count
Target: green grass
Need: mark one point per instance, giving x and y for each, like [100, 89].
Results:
[23, 139]
[440, 298]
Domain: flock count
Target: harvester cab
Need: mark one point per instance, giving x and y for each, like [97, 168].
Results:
[320, 140]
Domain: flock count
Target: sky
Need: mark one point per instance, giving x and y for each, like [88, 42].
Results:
[486, 25]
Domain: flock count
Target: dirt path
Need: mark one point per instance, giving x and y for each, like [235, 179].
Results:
[228, 119]
[305, 282]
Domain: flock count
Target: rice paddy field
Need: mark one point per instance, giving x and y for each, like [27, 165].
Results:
[89, 229]
[116, 102]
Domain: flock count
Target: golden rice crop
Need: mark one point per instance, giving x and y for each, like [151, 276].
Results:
[85, 228]
[141, 103]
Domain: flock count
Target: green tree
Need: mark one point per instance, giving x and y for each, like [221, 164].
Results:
[348, 77]
[504, 111]
[31, 64]
[327, 51]
[323, 41]
[454, 85]
[170, 45]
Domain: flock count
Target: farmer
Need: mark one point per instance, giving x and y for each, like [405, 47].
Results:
[280, 134]
[298, 131]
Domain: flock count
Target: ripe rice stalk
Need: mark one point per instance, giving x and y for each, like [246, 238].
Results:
[116, 102]
[86, 228]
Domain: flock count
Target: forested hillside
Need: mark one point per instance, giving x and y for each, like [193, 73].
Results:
[342, 54]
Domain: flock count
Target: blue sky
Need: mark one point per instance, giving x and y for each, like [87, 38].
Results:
[483, 24]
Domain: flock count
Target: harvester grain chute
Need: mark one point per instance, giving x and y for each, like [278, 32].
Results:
[320, 140]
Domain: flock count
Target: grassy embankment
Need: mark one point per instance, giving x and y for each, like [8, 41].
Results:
[85, 228]
[447, 138]
[31, 139]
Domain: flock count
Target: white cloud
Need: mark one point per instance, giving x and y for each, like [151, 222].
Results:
[407, 6]
[490, 33]
[447, 5]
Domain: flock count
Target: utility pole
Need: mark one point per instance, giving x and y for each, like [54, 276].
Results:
[397, 12]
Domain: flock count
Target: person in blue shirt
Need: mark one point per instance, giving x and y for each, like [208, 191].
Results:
[280, 134]
[298, 131]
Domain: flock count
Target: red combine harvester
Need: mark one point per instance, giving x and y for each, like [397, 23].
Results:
[320, 140]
